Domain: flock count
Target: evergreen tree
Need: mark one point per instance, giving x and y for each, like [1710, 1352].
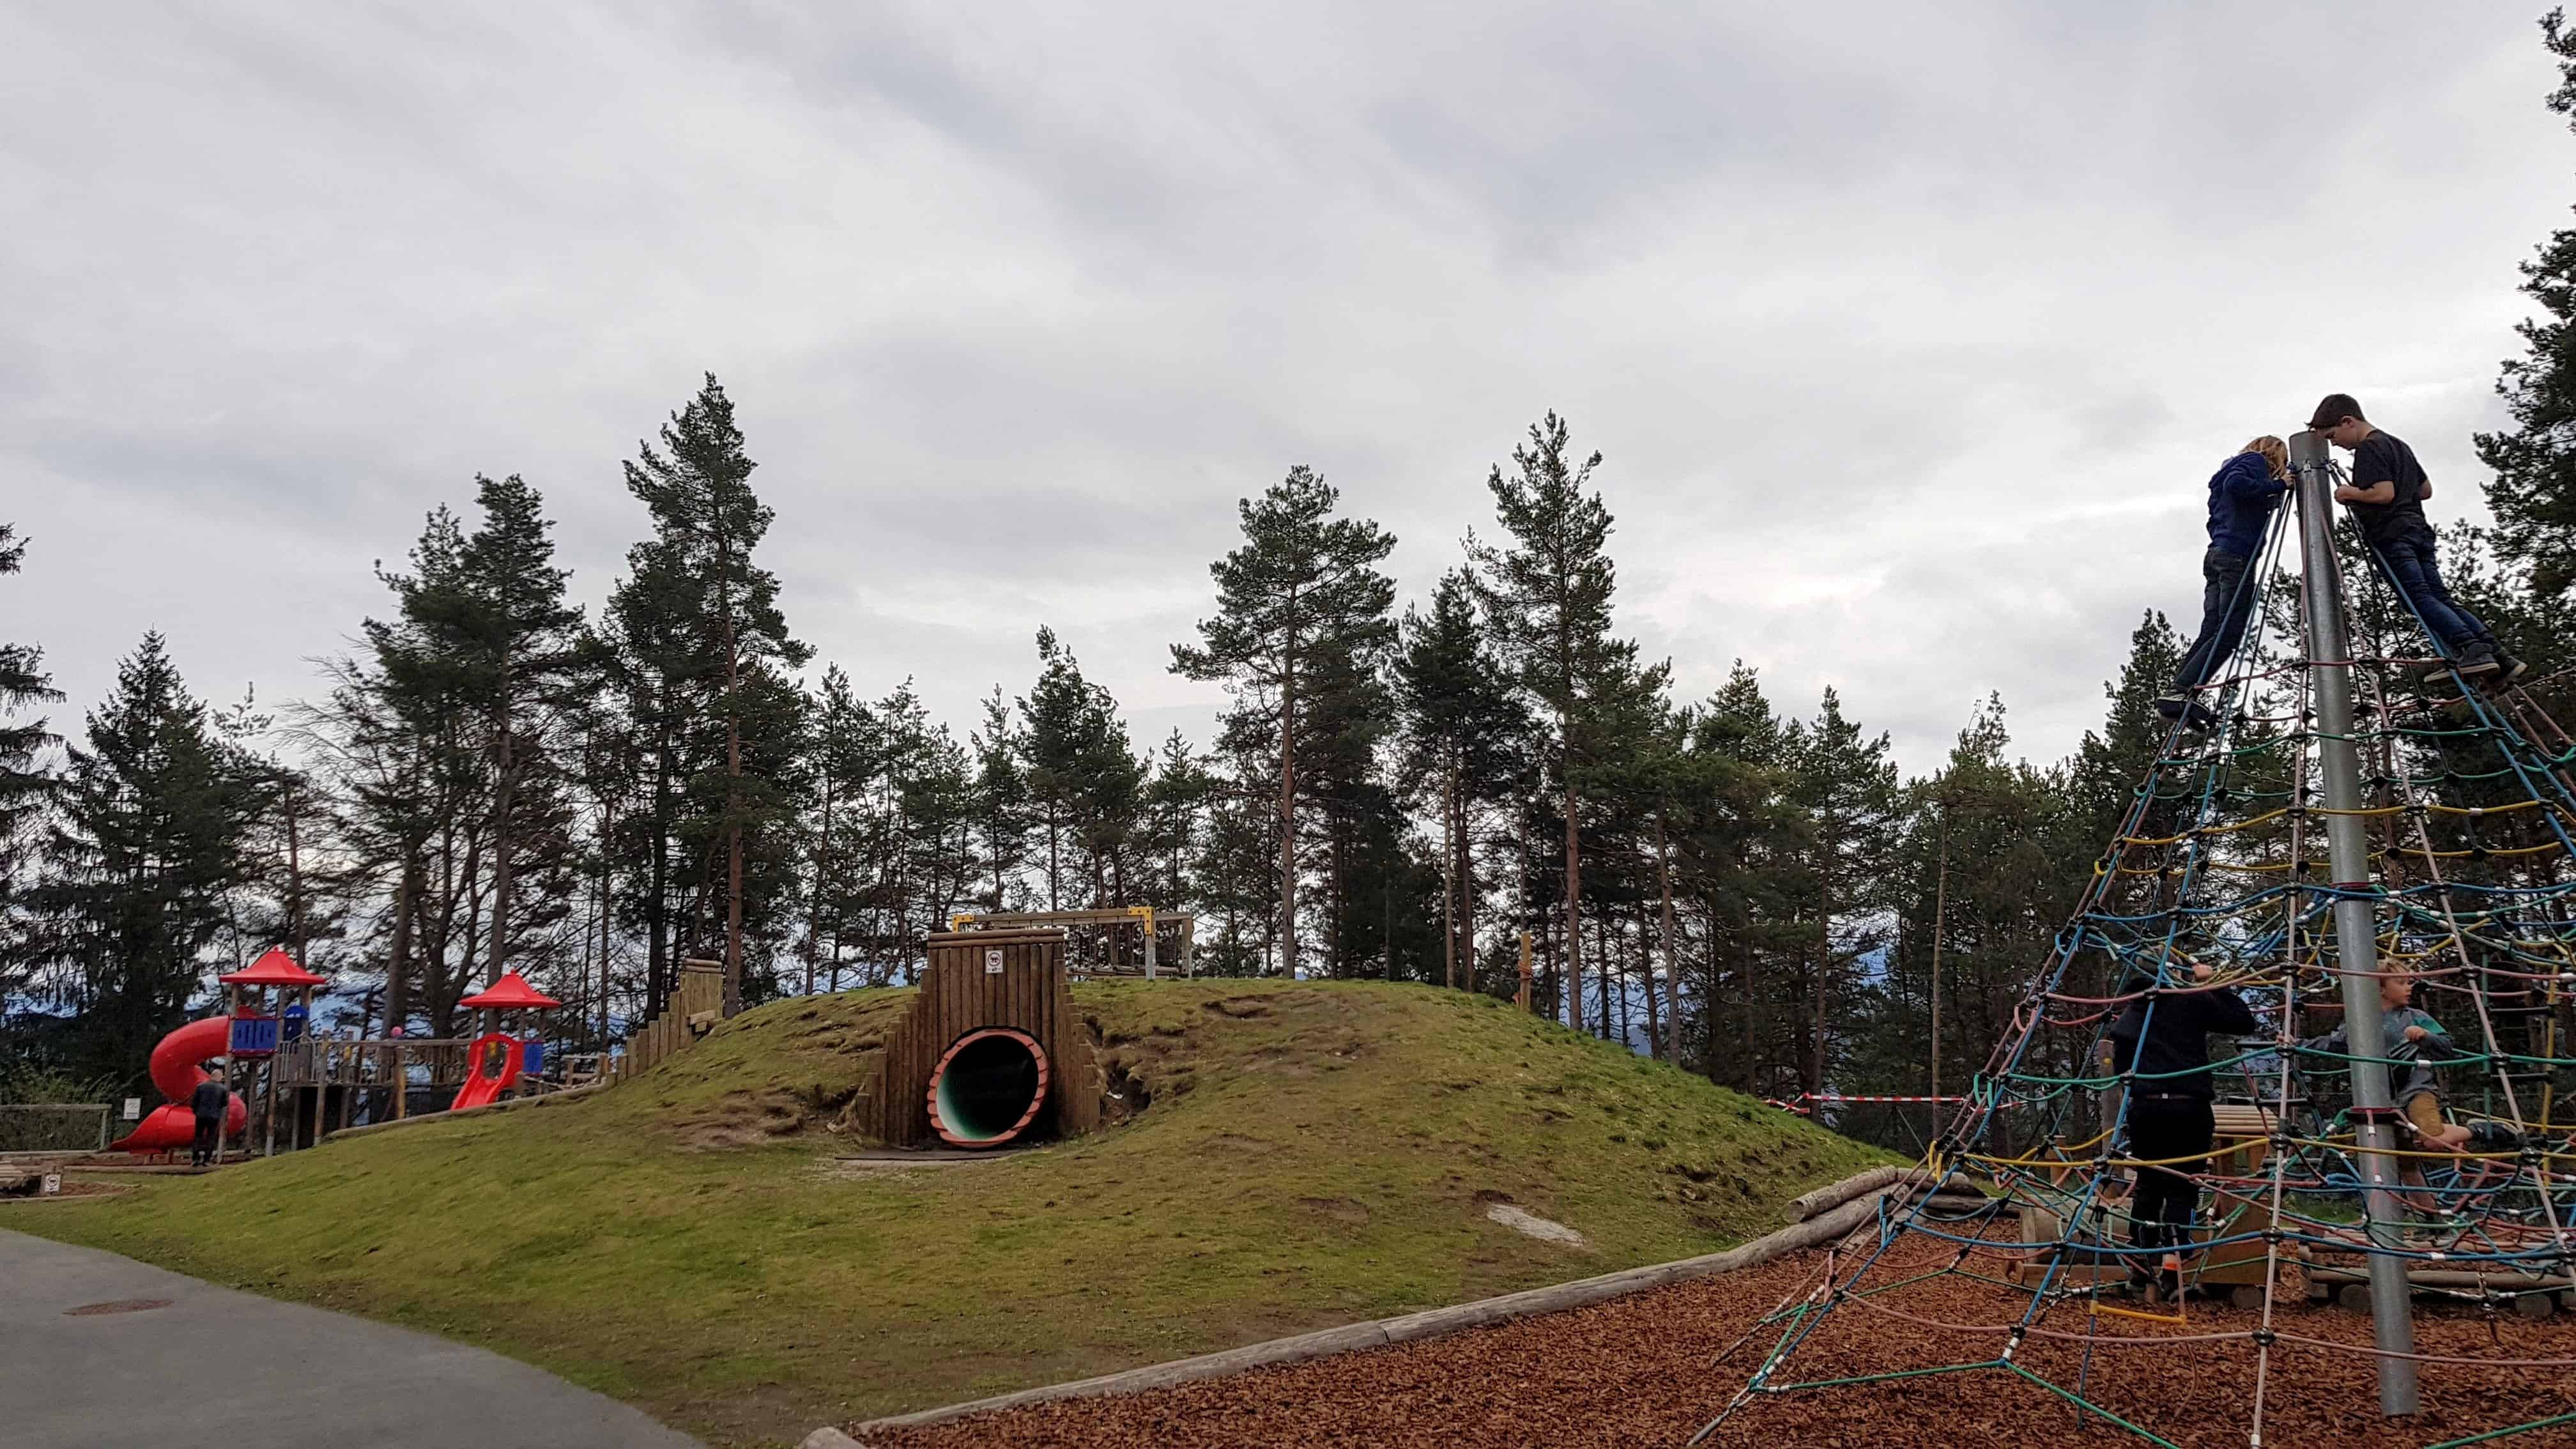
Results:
[700, 640]
[1846, 787]
[1548, 597]
[512, 649]
[2533, 494]
[1001, 800]
[1177, 796]
[1741, 857]
[1465, 738]
[845, 755]
[148, 844]
[23, 682]
[1301, 606]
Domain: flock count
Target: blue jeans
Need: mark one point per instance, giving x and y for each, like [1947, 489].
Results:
[2226, 602]
[2410, 564]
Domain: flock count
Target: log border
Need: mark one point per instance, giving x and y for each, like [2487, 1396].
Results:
[1861, 1195]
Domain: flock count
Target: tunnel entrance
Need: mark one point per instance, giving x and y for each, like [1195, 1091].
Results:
[988, 1087]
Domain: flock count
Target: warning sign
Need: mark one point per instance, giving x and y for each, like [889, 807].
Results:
[993, 961]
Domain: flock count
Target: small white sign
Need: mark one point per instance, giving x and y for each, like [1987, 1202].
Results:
[53, 1185]
[993, 961]
[133, 1109]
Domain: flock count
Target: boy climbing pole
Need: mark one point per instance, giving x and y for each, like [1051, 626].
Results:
[2242, 494]
[2386, 496]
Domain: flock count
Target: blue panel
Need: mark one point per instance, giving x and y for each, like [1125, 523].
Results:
[254, 1036]
[532, 1057]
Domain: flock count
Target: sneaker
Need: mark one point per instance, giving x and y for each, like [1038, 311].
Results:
[2196, 716]
[2172, 706]
[2508, 668]
[2476, 660]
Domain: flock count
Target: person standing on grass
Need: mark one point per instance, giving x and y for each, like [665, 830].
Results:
[2386, 496]
[2160, 1045]
[2242, 494]
[208, 1104]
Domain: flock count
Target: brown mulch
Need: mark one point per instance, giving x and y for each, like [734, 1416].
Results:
[1645, 1371]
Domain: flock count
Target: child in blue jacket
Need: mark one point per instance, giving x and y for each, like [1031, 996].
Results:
[2242, 494]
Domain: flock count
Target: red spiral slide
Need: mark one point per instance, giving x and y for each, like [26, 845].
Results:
[176, 1073]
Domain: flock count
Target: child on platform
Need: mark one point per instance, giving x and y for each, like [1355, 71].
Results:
[2242, 494]
[2416, 1042]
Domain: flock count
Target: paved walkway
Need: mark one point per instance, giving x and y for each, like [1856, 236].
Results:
[216, 1367]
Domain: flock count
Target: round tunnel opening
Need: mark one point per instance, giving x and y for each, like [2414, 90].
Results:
[988, 1088]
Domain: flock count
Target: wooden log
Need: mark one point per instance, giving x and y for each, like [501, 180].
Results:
[1854, 1215]
[1836, 1194]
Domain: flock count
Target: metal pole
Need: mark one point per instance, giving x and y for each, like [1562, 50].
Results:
[2392, 1321]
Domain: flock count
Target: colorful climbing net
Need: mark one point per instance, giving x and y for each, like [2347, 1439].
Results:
[2219, 879]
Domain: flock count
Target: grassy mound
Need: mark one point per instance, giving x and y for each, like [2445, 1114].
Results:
[702, 1243]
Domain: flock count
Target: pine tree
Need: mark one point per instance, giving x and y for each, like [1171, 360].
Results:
[845, 755]
[700, 637]
[23, 787]
[513, 651]
[2533, 494]
[1301, 602]
[1548, 596]
[1465, 743]
[1845, 785]
[149, 842]
[2109, 763]
[1177, 797]
[1001, 799]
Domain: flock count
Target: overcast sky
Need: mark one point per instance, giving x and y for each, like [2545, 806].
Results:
[1911, 332]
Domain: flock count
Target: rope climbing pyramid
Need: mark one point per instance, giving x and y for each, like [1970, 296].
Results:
[2359, 876]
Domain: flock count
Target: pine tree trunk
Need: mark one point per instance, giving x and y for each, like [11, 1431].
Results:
[1288, 801]
[814, 902]
[294, 879]
[733, 855]
[657, 905]
[1449, 881]
[1672, 963]
[733, 774]
[607, 915]
[1646, 986]
[398, 963]
[1573, 896]
[504, 786]
[1813, 1077]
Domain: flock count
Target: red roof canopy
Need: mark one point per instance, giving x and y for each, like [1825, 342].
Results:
[273, 968]
[510, 993]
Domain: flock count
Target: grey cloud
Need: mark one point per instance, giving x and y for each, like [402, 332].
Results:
[1910, 332]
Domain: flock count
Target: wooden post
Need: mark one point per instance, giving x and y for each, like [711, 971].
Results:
[402, 1084]
[268, 1112]
[1525, 971]
[224, 1069]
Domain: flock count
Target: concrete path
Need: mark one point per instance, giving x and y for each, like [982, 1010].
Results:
[216, 1367]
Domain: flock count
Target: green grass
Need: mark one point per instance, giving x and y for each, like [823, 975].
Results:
[1312, 1154]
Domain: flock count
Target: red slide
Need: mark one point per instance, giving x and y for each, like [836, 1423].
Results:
[481, 1090]
[176, 1073]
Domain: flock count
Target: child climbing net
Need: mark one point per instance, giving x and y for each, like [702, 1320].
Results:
[2218, 885]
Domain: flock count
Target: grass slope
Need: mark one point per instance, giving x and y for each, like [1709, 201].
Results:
[1312, 1154]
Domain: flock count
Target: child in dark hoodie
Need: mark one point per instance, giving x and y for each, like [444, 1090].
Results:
[2242, 494]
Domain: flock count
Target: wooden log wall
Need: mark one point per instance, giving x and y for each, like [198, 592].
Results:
[979, 979]
[692, 1009]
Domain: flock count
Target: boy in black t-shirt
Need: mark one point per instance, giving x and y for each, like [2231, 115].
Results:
[2386, 495]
